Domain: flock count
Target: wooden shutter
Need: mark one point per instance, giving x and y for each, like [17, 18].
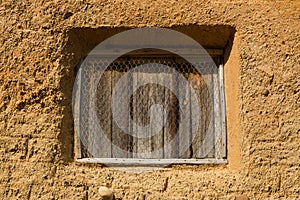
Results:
[124, 144]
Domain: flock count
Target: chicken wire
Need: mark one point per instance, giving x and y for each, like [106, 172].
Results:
[158, 118]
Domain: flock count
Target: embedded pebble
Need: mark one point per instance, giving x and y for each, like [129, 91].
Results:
[106, 193]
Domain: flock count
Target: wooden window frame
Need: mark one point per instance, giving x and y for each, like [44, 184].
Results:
[220, 133]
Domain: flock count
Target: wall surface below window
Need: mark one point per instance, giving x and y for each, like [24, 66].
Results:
[39, 52]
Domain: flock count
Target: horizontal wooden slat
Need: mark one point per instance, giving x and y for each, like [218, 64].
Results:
[144, 52]
[149, 162]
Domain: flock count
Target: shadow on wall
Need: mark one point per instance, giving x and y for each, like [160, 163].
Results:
[82, 40]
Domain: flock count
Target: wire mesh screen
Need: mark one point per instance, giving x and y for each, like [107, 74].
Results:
[144, 107]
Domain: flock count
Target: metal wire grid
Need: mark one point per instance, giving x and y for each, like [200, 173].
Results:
[125, 142]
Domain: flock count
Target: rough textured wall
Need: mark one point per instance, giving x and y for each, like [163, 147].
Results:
[36, 76]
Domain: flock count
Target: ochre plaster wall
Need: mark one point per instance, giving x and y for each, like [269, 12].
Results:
[38, 54]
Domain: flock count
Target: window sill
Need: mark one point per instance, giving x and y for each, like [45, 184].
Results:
[149, 162]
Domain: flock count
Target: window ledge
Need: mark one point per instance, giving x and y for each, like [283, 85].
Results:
[149, 162]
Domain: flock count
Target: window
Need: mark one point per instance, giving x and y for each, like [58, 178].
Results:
[158, 120]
